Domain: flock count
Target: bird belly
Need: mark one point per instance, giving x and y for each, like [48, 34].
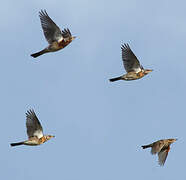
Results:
[131, 76]
[54, 47]
[31, 143]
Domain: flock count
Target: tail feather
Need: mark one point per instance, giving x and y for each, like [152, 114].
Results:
[115, 79]
[39, 53]
[17, 144]
[146, 146]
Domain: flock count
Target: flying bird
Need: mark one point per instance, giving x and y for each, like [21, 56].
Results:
[34, 131]
[131, 65]
[162, 147]
[56, 38]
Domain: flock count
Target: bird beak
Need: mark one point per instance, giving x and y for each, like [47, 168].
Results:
[147, 71]
[74, 37]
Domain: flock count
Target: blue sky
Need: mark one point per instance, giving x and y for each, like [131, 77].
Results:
[99, 126]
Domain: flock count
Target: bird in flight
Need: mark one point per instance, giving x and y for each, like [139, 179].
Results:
[56, 38]
[162, 147]
[34, 131]
[131, 65]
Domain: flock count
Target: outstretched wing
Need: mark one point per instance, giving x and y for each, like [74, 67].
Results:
[51, 31]
[130, 61]
[33, 125]
[157, 146]
[162, 155]
[66, 34]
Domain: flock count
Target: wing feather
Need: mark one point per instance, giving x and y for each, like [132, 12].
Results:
[130, 61]
[33, 125]
[66, 34]
[51, 31]
[162, 156]
[157, 146]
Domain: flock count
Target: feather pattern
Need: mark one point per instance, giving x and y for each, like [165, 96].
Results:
[51, 31]
[130, 61]
[33, 125]
[157, 146]
[162, 156]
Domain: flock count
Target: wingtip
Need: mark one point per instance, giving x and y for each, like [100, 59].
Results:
[125, 46]
[30, 112]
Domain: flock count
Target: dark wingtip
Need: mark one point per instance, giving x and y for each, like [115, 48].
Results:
[43, 12]
[125, 46]
[30, 112]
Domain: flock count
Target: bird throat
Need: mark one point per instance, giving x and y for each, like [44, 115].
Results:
[140, 74]
[42, 139]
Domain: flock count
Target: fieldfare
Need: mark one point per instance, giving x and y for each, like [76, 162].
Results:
[56, 38]
[161, 147]
[131, 65]
[34, 131]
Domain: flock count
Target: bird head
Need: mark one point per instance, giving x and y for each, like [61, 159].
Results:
[147, 71]
[49, 137]
[172, 140]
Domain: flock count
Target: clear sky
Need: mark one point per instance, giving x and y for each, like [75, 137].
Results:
[99, 126]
